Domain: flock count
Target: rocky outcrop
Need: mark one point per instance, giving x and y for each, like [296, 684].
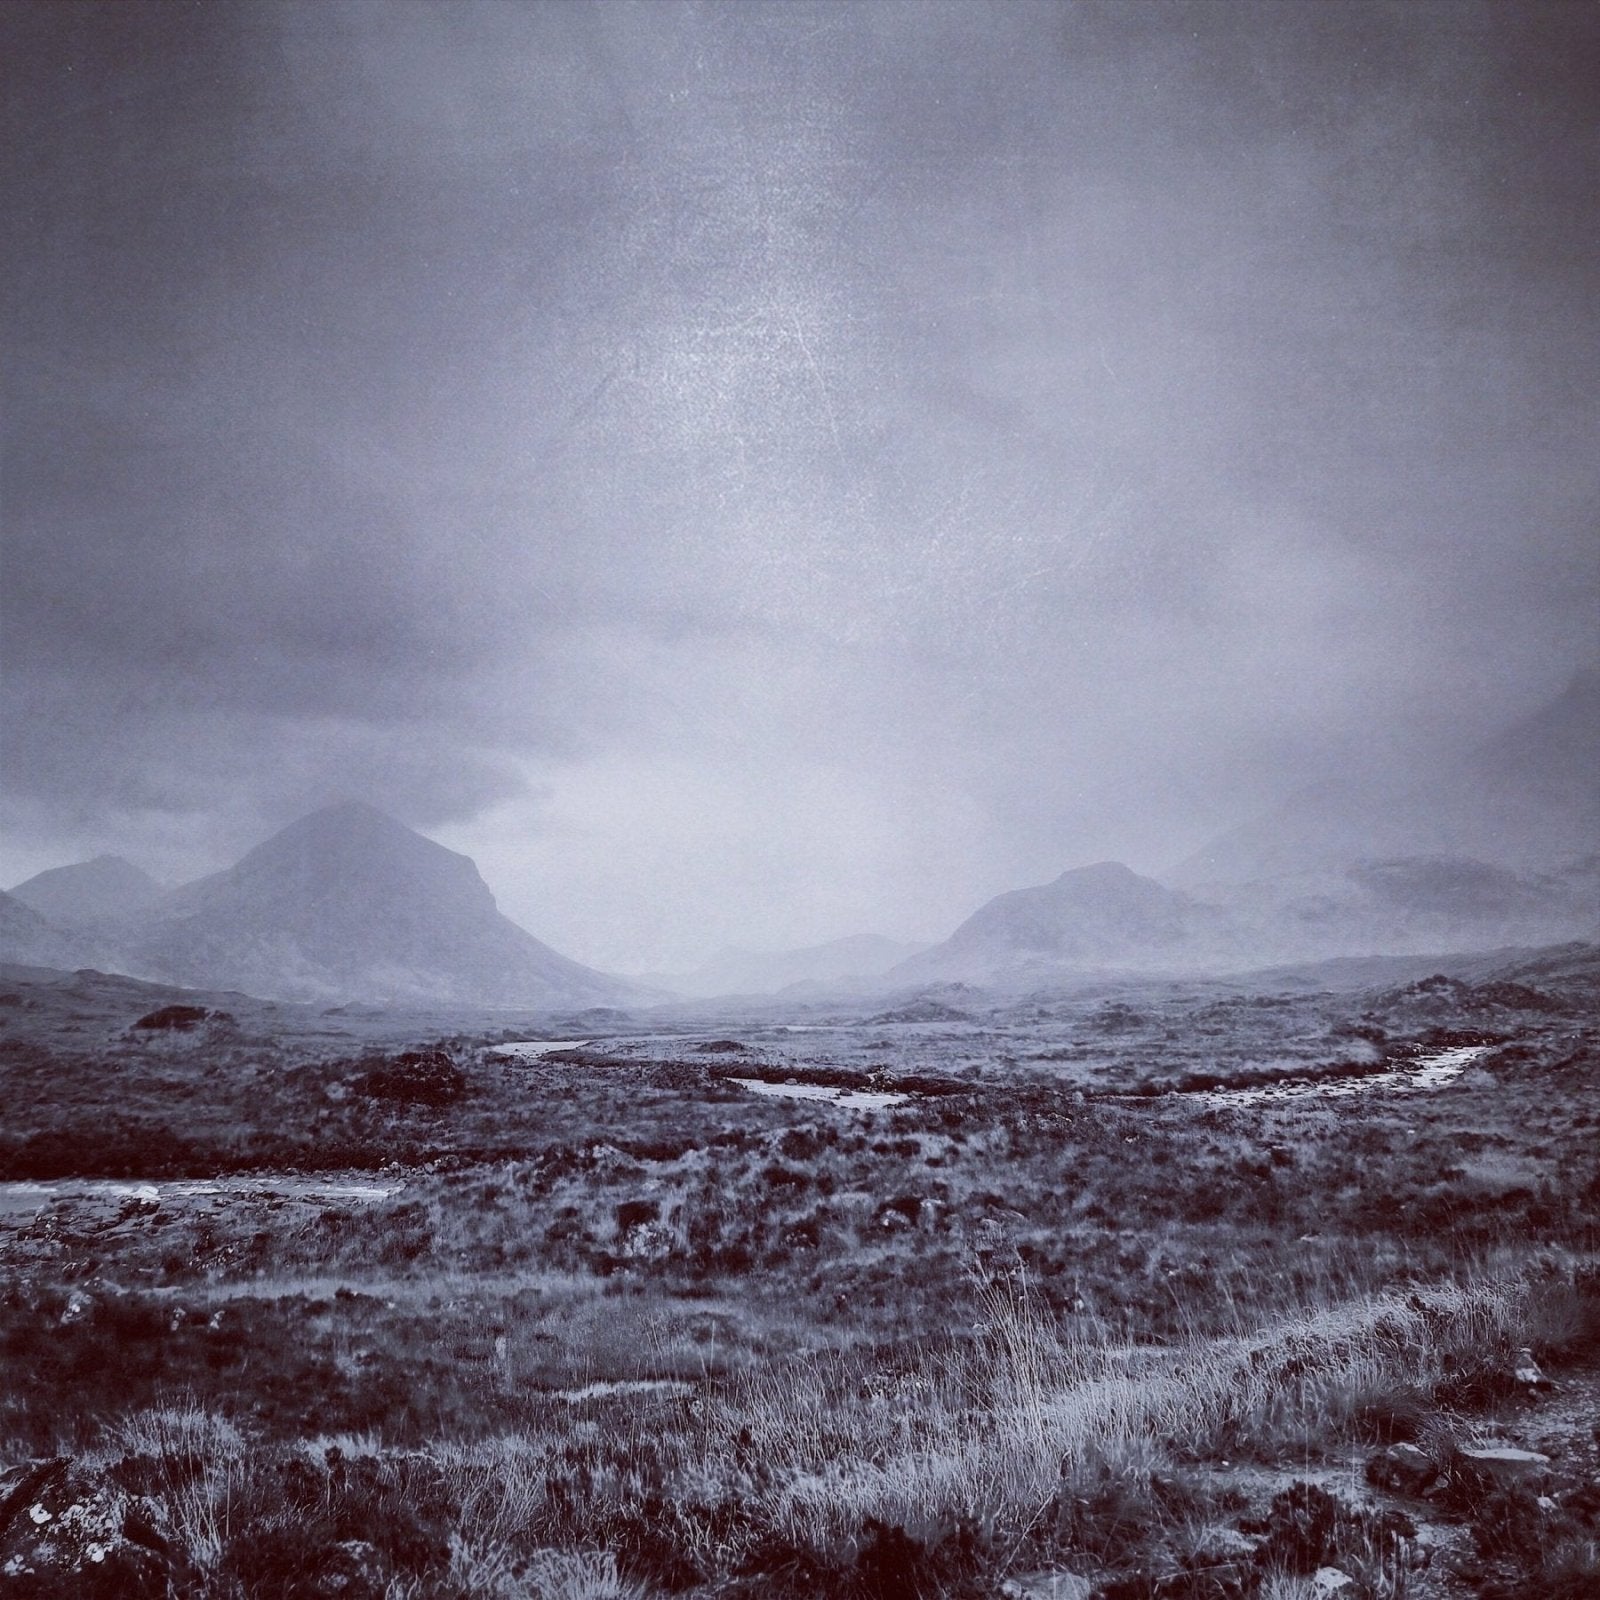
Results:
[64, 1531]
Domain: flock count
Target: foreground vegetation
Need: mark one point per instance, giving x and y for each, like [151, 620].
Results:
[604, 1322]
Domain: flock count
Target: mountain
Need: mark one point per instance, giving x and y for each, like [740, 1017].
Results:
[735, 971]
[91, 893]
[28, 940]
[1527, 799]
[349, 904]
[1104, 916]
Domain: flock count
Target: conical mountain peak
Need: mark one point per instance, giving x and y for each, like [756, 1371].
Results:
[349, 902]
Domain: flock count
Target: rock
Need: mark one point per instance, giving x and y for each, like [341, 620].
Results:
[77, 1307]
[1402, 1468]
[1503, 1465]
[350, 1570]
[1330, 1583]
[1047, 1585]
[1464, 1565]
[1528, 1374]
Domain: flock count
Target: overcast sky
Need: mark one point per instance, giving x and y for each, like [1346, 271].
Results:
[756, 473]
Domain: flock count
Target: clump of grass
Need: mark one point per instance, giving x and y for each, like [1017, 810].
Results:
[489, 1571]
[183, 1431]
[193, 1460]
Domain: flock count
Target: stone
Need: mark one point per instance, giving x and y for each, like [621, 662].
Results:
[1464, 1565]
[66, 1531]
[78, 1306]
[1402, 1468]
[1504, 1465]
[1330, 1583]
[1529, 1375]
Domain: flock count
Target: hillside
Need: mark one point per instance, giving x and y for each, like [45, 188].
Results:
[1526, 799]
[27, 939]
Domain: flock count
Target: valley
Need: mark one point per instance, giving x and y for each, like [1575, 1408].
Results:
[799, 800]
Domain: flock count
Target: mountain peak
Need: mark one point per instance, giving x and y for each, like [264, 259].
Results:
[352, 852]
[98, 890]
[1105, 872]
[349, 902]
[1102, 915]
[347, 816]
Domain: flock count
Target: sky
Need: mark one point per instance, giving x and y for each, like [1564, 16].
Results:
[756, 473]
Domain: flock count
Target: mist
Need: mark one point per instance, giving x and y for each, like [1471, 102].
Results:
[753, 474]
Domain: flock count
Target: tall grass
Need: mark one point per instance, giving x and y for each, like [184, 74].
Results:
[198, 1465]
[992, 1432]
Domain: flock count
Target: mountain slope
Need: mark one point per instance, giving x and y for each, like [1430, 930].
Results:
[29, 940]
[88, 893]
[350, 904]
[1528, 798]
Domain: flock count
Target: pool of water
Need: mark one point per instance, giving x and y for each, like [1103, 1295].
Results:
[533, 1049]
[849, 1099]
[28, 1196]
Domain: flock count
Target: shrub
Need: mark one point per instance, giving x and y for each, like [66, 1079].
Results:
[176, 1018]
[415, 1077]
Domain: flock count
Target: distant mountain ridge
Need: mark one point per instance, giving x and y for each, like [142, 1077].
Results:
[349, 904]
[1501, 848]
[1107, 918]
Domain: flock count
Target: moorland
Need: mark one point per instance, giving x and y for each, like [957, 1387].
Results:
[953, 1296]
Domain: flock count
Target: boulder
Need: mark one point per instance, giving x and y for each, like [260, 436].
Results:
[1331, 1583]
[1402, 1469]
[1528, 1374]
